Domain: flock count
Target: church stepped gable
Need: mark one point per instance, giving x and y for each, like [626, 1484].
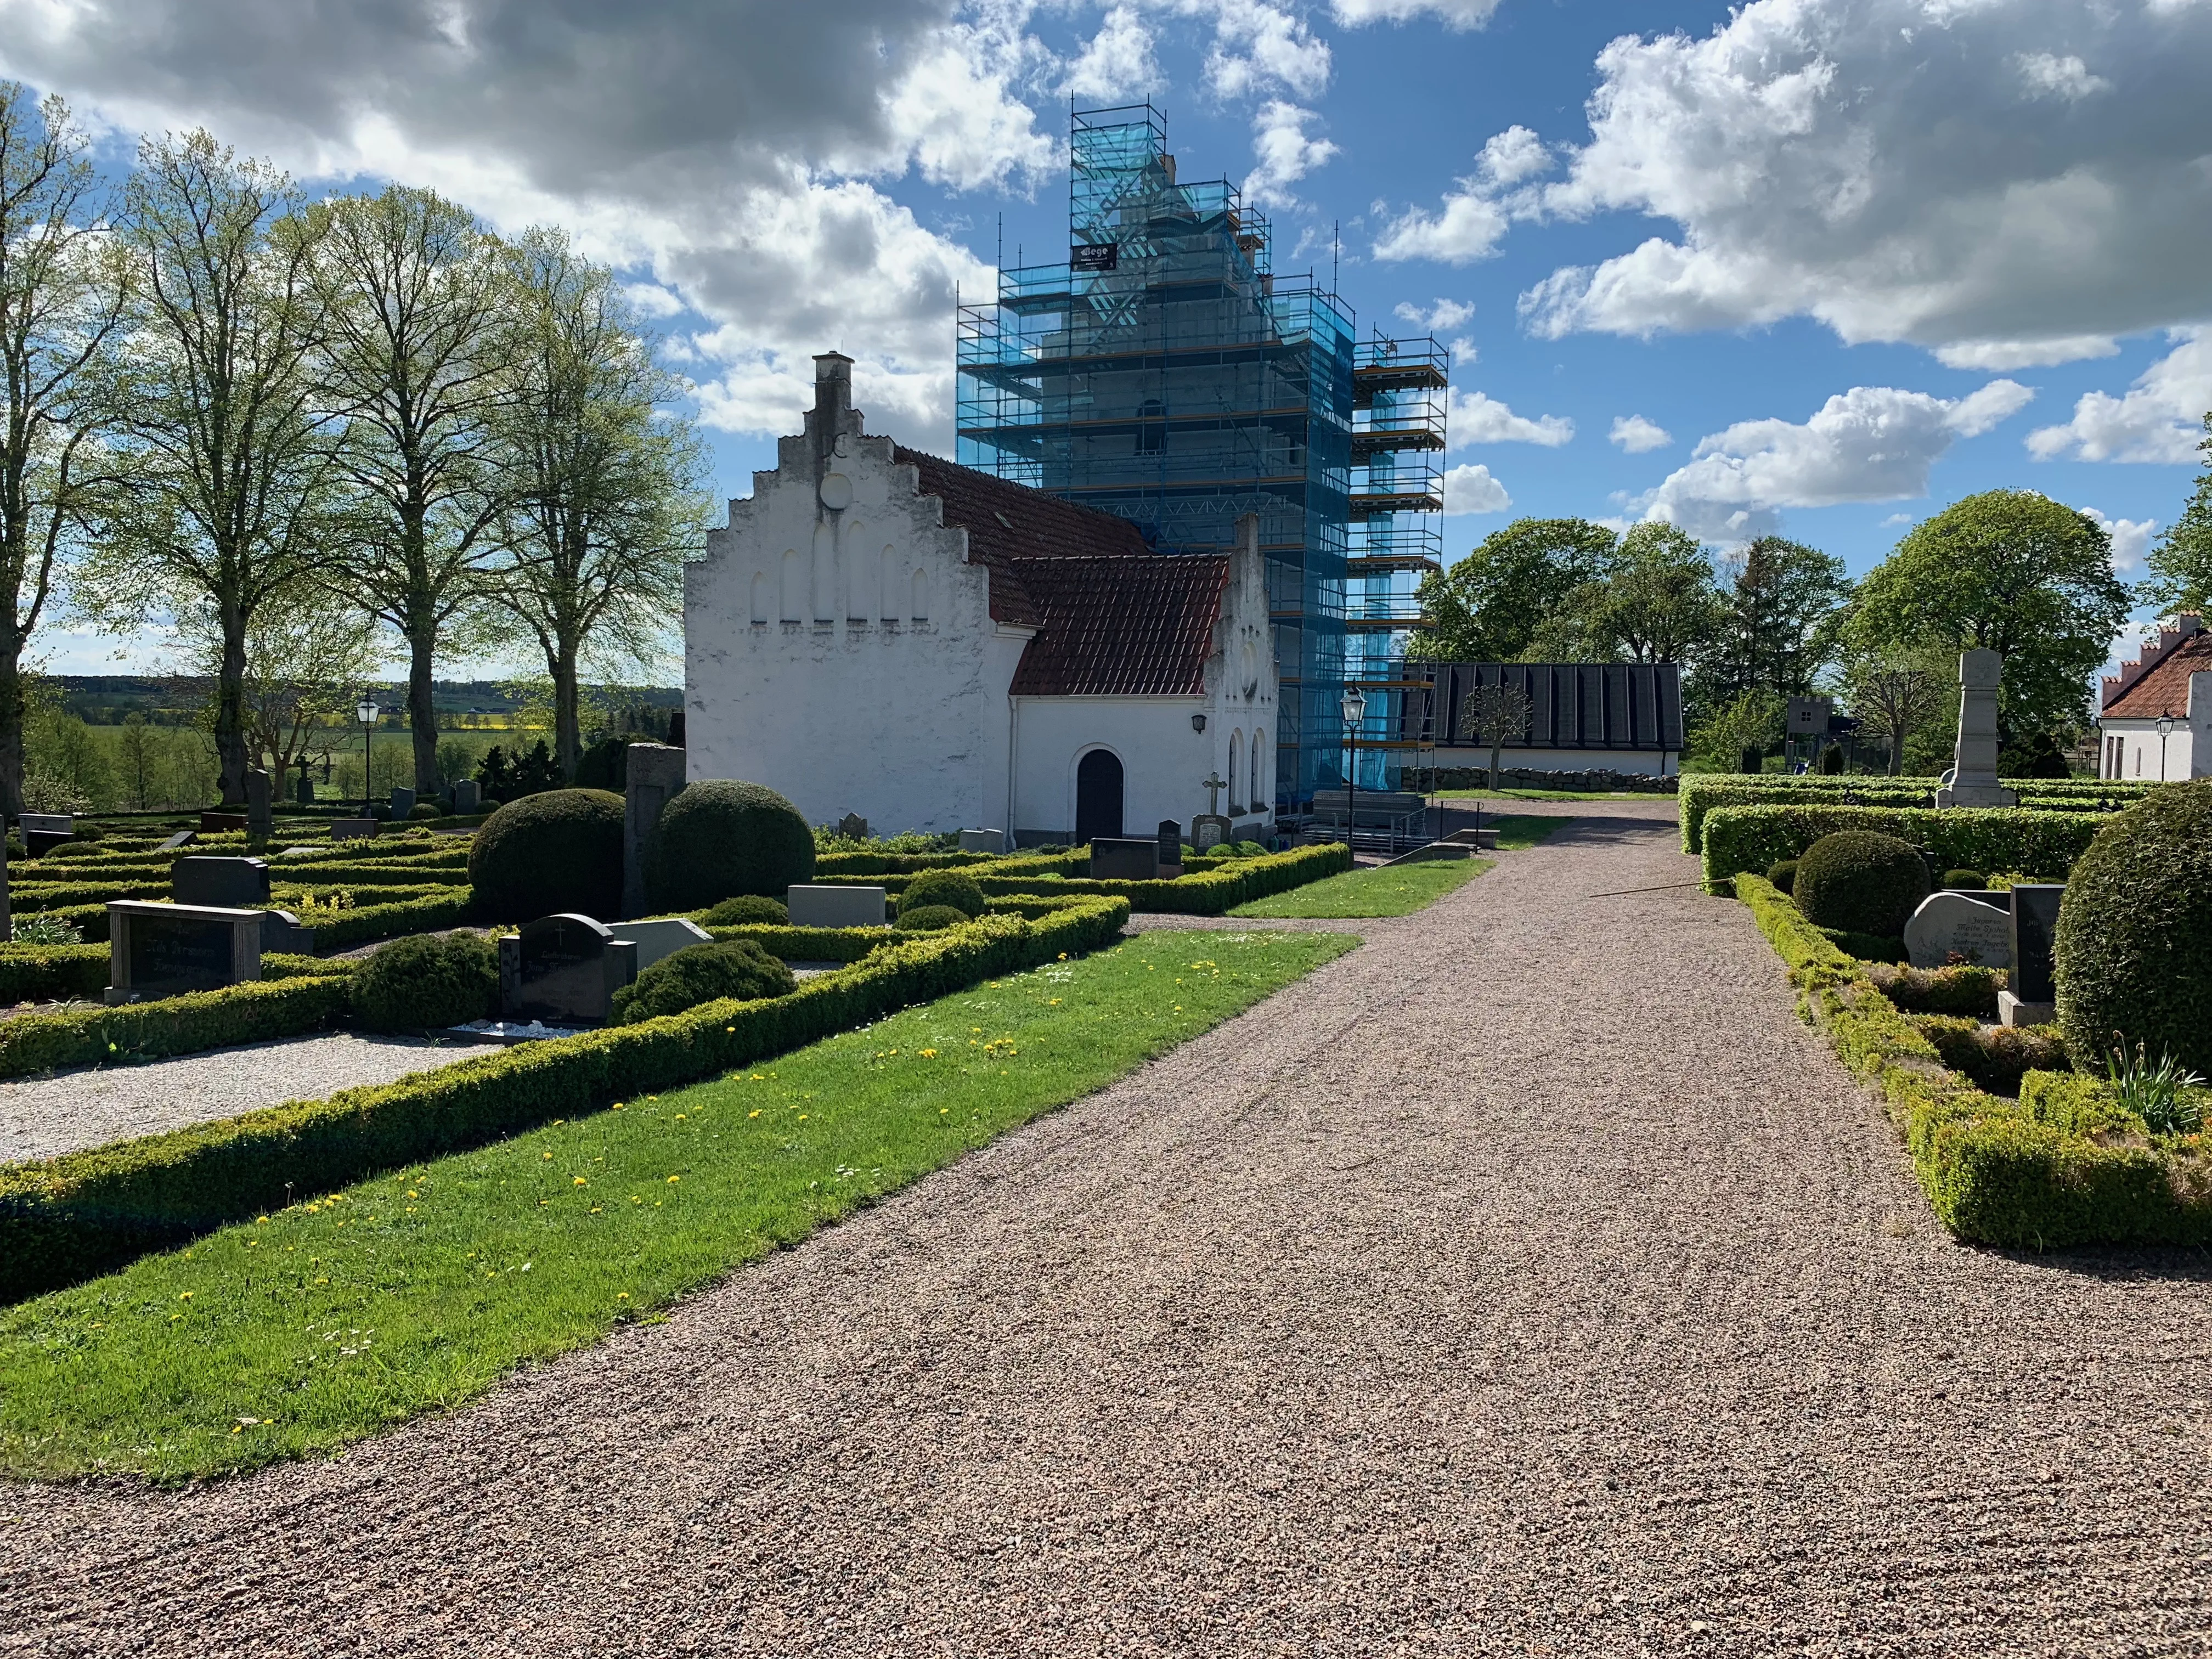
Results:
[1129, 625]
[2163, 689]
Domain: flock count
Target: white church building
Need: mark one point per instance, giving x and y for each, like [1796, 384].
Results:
[882, 632]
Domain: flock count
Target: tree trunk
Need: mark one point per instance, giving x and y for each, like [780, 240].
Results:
[421, 711]
[230, 711]
[11, 727]
[1494, 748]
[1897, 755]
[568, 740]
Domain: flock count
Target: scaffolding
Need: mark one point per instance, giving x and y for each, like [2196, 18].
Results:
[1165, 374]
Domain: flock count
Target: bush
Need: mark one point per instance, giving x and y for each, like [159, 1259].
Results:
[257, 1012]
[559, 850]
[1861, 882]
[2046, 837]
[935, 888]
[736, 970]
[1961, 989]
[718, 839]
[747, 909]
[928, 917]
[425, 809]
[1969, 881]
[1832, 760]
[1784, 874]
[2133, 957]
[425, 980]
[1994, 1056]
[45, 930]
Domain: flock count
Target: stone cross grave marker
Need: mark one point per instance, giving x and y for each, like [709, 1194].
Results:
[1214, 784]
[166, 950]
[563, 970]
[260, 817]
[853, 827]
[1973, 781]
[1956, 924]
[835, 904]
[1120, 858]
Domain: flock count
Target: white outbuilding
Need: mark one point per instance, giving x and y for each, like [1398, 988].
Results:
[882, 632]
[2156, 712]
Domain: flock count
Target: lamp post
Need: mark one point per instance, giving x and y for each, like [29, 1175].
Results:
[2165, 731]
[1355, 710]
[366, 712]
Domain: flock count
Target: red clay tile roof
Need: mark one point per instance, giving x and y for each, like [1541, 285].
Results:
[1129, 625]
[1011, 521]
[2163, 689]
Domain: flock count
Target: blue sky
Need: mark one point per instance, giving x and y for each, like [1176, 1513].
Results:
[1839, 262]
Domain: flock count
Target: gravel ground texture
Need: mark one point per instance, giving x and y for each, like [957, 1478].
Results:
[1529, 1280]
[46, 1116]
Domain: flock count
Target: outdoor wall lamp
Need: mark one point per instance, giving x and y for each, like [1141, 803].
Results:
[1198, 722]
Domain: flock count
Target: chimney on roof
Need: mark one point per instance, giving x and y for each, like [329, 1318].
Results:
[833, 416]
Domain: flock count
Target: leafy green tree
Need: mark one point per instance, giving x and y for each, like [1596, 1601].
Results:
[1654, 600]
[1896, 691]
[1490, 605]
[1748, 723]
[2009, 571]
[2181, 563]
[1782, 601]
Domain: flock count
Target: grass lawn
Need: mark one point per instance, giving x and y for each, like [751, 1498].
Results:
[339, 1317]
[1549, 794]
[1398, 890]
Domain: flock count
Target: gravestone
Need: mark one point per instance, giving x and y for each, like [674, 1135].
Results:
[303, 787]
[44, 831]
[662, 937]
[166, 950]
[1118, 858]
[2031, 994]
[218, 823]
[468, 795]
[7, 919]
[835, 905]
[403, 802]
[177, 842]
[1956, 924]
[1972, 779]
[853, 827]
[1208, 831]
[655, 778]
[280, 933]
[563, 970]
[260, 817]
[1170, 848]
[983, 841]
[233, 883]
[353, 829]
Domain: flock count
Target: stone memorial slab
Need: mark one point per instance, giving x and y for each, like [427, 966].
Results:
[853, 827]
[218, 823]
[835, 905]
[1972, 779]
[403, 802]
[662, 937]
[353, 829]
[177, 842]
[654, 777]
[44, 831]
[1209, 830]
[1117, 858]
[1948, 925]
[303, 787]
[468, 796]
[563, 970]
[260, 817]
[7, 917]
[983, 841]
[2034, 927]
[166, 950]
[235, 884]
[1170, 848]
[280, 933]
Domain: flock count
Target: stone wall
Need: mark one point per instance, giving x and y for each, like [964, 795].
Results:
[1599, 780]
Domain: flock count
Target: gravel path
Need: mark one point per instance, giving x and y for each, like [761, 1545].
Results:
[1528, 1281]
[46, 1116]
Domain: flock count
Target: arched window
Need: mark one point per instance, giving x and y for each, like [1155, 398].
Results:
[825, 576]
[794, 584]
[894, 574]
[759, 596]
[1097, 796]
[1236, 772]
[920, 595]
[1263, 760]
[857, 571]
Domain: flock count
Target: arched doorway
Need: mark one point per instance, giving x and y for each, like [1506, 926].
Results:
[1097, 796]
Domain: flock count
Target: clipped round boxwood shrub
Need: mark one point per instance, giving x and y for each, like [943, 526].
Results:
[748, 910]
[928, 917]
[1784, 874]
[559, 850]
[736, 968]
[2133, 956]
[424, 982]
[1966, 881]
[718, 839]
[425, 809]
[1861, 882]
[932, 888]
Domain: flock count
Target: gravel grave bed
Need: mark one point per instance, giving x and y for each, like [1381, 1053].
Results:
[1529, 1280]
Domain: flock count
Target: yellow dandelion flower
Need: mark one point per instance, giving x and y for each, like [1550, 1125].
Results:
[672, 1180]
[929, 1054]
[183, 1296]
[753, 1113]
[580, 1181]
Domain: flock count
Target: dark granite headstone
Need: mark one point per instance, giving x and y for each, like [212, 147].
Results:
[403, 802]
[216, 823]
[353, 829]
[260, 819]
[234, 884]
[1208, 831]
[468, 795]
[1170, 847]
[1115, 858]
[2034, 927]
[853, 827]
[566, 970]
[166, 950]
[178, 842]
[303, 787]
[281, 931]
[44, 831]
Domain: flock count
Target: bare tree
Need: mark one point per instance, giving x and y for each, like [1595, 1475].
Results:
[229, 462]
[411, 296]
[1896, 692]
[1495, 712]
[603, 494]
[61, 304]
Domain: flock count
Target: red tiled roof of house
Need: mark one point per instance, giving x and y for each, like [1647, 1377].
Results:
[2163, 689]
[1136, 625]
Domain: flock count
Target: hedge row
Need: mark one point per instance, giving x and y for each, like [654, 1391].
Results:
[1704, 794]
[447, 907]
[51, 973]
[1756, 838]
[88, 1212]
[2042, 1172]
[33, 897]
[253, 1012]
[810, 944]
[1206, 893]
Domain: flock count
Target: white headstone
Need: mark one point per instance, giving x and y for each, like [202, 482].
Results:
[1972, 779]
[1952, 924]
[835, 906]
[662, 938]
[983, 841]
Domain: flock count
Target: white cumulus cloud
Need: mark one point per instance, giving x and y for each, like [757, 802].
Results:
[1258, 46]
[2159, 419]
[1287, 154]
[1452, 14]
[1870, 444]
[1476, 417]
[1115, 62]
[1470, 490]
[1474, 217]
[2130, 539]
[1637, 435]
[1441, 317]
[2049, 76]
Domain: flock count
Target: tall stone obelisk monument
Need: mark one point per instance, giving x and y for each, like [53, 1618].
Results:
[1972, 779]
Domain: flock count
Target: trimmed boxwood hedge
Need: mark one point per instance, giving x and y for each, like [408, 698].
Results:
[1703, 793]
[87, 1213]
[1208, 893]
[252, 1012]
[720, 837]
[2059, 1167]
[51, 973]
[1738, 839]
[1860, 881]
[561, 850]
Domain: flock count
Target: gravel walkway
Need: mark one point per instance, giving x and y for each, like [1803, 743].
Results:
[46, 1116]
[1528, 1281]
